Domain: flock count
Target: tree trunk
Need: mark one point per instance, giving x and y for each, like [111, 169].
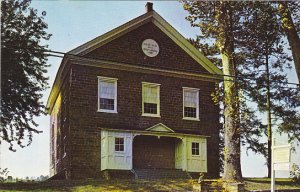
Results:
[291, 33]
[232, 165]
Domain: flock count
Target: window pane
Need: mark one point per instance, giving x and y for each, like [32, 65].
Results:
[150, 108]
[195, 148]
[107, 104]
[150, 94]
[190, 112]
[119, 144]
[107, 94]
[191, 103]
[107, 90]
[193, 145]
[190, 99]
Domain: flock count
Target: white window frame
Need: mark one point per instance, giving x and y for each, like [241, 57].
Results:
[158, 99]
[195, 148]
[123, 145]
[108, 79]
[185, 89]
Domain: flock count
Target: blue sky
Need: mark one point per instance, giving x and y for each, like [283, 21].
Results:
[73, 23]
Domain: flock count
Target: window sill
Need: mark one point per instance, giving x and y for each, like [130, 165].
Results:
[190, 119]
[150, 115]
[106, 111]
[119, 152]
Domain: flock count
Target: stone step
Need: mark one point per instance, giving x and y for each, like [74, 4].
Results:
[160, 174]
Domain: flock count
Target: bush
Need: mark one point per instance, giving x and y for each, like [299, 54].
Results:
[3, 173]
[295, 173]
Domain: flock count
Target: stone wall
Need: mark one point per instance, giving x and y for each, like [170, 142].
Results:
[86, 122]
[81, 123]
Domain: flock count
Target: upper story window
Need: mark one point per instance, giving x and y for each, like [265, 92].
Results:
[150, 100]
[195, 148]
[107, 95]
[190, 103]
[119, 144]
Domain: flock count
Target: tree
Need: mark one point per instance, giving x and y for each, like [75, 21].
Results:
[286, 10]
[218, 21]
[259, 61]
[3, 174]
[23, 70]
[264, 63]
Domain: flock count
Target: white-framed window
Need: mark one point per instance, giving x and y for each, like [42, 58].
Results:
[119, 144]
[190, 103]
[107, 94]
[195, 148]
[151, 99]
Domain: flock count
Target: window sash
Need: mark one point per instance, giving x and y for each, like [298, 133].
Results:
[150, 108]
[107, 94]
[191, 103]
[108, 104]
[150, 99]
[190, 112]
[150, 94]
[195, 148]
[190, 99]
[107, 90]
[119, 144]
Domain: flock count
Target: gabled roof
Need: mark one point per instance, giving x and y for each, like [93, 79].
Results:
[163, 25]
[150, 16]
[160, 128]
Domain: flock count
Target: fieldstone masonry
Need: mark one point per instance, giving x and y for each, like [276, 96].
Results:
[79, 124]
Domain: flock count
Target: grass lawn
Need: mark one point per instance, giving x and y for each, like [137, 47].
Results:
[265, 183]
[133, 185]
[98, 185]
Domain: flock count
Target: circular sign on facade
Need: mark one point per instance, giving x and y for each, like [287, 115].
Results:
[150, 47]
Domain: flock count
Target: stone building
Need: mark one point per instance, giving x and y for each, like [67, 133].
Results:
[135, 98]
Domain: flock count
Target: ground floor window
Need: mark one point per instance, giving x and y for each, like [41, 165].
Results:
[119, 144]
[195, 148]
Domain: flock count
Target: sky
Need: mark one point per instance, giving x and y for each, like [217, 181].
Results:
[71, 24]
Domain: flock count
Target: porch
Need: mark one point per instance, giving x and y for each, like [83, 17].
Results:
[156, 148]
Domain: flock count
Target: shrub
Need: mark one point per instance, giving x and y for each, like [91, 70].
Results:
[3, 173]
[295, 173]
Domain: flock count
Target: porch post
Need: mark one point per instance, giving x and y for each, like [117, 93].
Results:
[184, 154]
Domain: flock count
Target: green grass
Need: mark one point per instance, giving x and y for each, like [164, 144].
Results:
[265, 183]
[100, 185]
[133, 185]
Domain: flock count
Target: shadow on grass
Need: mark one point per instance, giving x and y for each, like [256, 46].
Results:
[268, 180]
[100, 185]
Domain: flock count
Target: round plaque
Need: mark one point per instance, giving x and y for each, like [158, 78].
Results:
[150, 47]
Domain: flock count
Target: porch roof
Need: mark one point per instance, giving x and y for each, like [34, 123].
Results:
[155, 133]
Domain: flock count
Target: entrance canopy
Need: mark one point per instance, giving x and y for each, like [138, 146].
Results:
[157, 130]
[188, 151]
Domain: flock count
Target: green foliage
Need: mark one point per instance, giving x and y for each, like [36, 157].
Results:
[262, 46]
[3, 174]
[218, 21]
[295, 174]
[251, 36]
[259, 41]
[289, 12]
[23, 70]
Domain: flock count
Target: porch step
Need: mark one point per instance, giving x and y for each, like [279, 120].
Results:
[160, 174]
